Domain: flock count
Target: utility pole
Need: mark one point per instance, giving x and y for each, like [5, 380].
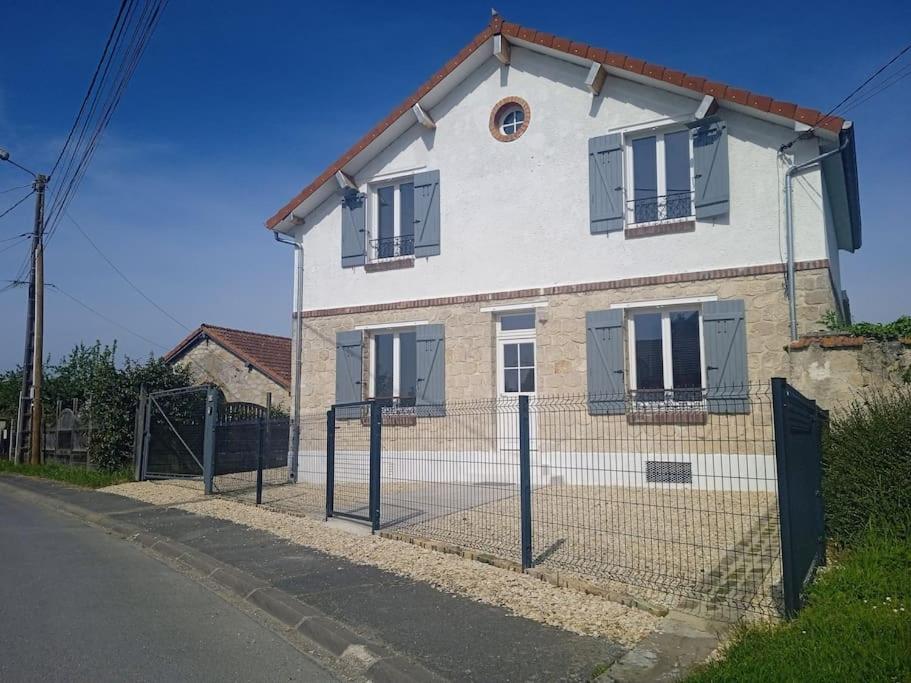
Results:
[34, 329]
[37, 362]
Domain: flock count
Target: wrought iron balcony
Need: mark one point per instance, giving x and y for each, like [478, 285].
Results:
[667, 207]
[392, 247]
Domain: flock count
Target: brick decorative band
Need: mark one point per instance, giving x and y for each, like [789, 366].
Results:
[627, 283]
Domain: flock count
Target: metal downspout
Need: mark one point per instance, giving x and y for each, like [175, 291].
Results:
[789, 227]
[298, 343]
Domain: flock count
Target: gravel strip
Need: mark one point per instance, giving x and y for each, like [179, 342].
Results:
[661, 542]
[522, 595]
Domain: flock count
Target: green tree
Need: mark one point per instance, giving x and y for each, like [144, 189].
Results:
[91, 375]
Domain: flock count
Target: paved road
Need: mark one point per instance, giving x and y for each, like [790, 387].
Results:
[79, 605]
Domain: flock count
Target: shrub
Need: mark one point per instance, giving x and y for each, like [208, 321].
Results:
[897, 329]
[91, 373]
[867, 467]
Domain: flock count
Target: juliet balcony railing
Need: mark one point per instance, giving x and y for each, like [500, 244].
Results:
[668, 207]
[392, 247]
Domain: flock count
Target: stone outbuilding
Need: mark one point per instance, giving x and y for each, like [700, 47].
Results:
[244, 365]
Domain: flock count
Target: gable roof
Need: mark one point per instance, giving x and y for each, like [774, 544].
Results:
[614, 62]
[267, 353]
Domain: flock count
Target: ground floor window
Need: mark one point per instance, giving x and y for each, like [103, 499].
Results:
[665, 349]
[394, 367]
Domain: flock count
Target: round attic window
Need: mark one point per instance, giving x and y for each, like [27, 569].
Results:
[509, 119]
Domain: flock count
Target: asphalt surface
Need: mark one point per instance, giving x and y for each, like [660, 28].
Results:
[78, 604]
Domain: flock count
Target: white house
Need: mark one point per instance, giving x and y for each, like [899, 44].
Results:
[546, 217]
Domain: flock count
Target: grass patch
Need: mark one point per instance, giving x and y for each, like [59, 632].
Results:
[78, 476]
[856, 625]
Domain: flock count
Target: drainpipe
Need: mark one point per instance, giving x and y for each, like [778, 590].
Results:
[789, 225]
[298, 343]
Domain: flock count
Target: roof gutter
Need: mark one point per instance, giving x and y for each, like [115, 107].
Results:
[789, 224]
[297, 351]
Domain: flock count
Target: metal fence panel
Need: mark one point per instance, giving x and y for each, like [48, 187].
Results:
[665, 497]
[353, 491]
[176, 433]
[798, 448]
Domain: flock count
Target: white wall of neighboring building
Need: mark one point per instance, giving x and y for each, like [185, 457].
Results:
[516, 215]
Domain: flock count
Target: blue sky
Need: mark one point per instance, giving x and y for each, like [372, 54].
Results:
[238, 105]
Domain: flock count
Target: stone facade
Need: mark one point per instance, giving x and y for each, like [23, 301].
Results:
[561, 334]
[836, 370]
[209, 362]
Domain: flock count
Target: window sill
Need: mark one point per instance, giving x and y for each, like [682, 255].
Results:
[652, 229]
[400, 419]
[669, 416]
[394, 263]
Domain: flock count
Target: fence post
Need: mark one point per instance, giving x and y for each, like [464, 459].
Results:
[330, 461]
[376, 425]
[208, 446]
[821, 419]
[146, 437]
[260, 435]
[525, 481]
[139, 433]
[790, 590]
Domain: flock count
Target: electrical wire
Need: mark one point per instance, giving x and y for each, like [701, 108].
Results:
[101, 315]
[13, 189]
[123, 275]
[895, 78]
[85, 99]
[206, 372]
[127, 43]
[14, 244]
[850, 95]
[17, 204]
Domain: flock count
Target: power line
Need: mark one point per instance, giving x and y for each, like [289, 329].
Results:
[13, 189]
[123, 275]
[15, 244]
[869, 79]
[15, 237]
[127, 42]
[204, 370]
[854, 92]
[17, 204]
[892, 80]
[104, 317]
[85, 99]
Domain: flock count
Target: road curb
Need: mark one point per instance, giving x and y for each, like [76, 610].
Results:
[307, 621]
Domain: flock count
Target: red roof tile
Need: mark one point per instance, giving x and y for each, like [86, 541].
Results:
[720, 91]
[269, 354]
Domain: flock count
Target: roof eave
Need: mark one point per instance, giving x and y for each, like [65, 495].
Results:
[778, 111]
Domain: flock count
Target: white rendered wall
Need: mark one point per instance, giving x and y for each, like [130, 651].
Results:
[515, 215]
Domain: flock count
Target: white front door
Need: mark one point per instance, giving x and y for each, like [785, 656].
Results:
[516, 376]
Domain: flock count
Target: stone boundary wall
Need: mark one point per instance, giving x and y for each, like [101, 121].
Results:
[837, 369]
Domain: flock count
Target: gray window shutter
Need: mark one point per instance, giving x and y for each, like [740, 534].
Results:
[354, 230]
[605, 183]
[710, 162]
[604, 361]
[726, 356]
[431, 379]
[349, 358]
[427, 213]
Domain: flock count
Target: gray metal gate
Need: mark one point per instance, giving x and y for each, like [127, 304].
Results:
[353, 461]
[171, 433]
[799, 424]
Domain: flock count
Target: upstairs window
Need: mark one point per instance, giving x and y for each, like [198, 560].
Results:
[512, 120]
[665, 349]
[393, 233]
[661, 178]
